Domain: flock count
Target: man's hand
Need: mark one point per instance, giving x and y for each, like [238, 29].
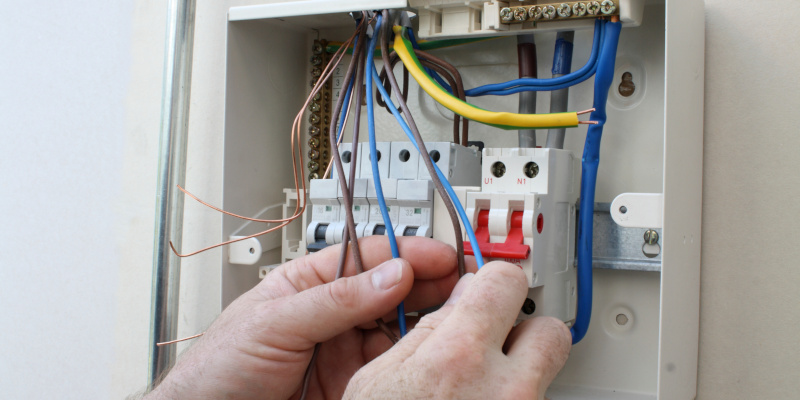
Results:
[468, 349]
[260, 346]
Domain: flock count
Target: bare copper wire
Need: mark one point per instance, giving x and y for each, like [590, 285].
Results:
[180, 340]
[297, 152]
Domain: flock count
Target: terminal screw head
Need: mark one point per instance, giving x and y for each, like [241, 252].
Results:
[535, 13]
[520, 14]
[317, 48]
[650, 236]
[313, 107]
[498, 169]
[593, 7]
[313, 166]
[316, 60]
[608, 7]
[564, 10]
[506, 15]
[549, 12]
[579, 9]
[531, 169]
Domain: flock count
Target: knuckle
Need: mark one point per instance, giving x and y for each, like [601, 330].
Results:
[342, 293]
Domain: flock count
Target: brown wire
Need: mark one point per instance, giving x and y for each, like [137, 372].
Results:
[459, 87]
[448, 202]
[359, 61]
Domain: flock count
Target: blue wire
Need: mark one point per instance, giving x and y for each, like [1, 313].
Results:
[341, 122]
[459, 208]
[373, 151]
[533, 84]
[591, 160]
[434, 74]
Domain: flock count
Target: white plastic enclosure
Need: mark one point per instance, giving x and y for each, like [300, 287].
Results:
[642, 342]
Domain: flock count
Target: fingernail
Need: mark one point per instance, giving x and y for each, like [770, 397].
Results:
[460, 286]
[387, 275]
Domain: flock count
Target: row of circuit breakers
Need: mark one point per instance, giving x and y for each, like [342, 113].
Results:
[519, 201]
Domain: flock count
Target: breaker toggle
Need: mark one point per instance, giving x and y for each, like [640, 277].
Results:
[513, 246]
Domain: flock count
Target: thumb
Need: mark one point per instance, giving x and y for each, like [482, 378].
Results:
[322, 312]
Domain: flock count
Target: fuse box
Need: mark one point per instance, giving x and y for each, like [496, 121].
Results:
[642, 343]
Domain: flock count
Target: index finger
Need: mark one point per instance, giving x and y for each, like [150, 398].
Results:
[430, 259]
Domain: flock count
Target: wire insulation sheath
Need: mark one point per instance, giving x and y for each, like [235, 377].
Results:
[372, 76]
[591, 160]
[531, 84]
[503, 120]
[451, 193]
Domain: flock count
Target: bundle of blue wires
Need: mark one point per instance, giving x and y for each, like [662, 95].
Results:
[589, 164]
[372, 76]
[532, 84]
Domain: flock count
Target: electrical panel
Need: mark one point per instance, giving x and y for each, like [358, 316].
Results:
[521, 202]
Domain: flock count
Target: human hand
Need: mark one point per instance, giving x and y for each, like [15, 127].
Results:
[260, 345]
[468, 348]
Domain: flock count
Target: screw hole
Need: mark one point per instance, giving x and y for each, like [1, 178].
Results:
[529, 307]
[622, 319]
[623, 209]
[252, 250]
[346, 157]
[404, 155]
[498, 169]
[435, 156]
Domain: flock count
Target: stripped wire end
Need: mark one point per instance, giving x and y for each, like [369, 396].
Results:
[585, 111]
[588, 122]
[180, 340]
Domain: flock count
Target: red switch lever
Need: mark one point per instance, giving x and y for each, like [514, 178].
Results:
[511, 248]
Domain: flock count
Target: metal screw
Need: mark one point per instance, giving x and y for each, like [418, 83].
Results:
[317, 96]
[313, 166]
[313, 143]
[650, 236]
[593, 8]
[313, 175]
[608, 7]
[520, 14]
[564, 10]
[313, 154]
[313, 119]
[316, 60]
[506, 15]
[498, 169]
[316, 72]
[531, 169]
[549, 12]
[317, 48]
[313, 130]
[535, 13]
[313, 107]
[579, 9]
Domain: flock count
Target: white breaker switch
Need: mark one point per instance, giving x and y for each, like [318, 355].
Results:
[415, 198]
[525, 215]
[325, 210]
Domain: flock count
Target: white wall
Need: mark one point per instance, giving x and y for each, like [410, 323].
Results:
[80, 85]
[80, 90]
